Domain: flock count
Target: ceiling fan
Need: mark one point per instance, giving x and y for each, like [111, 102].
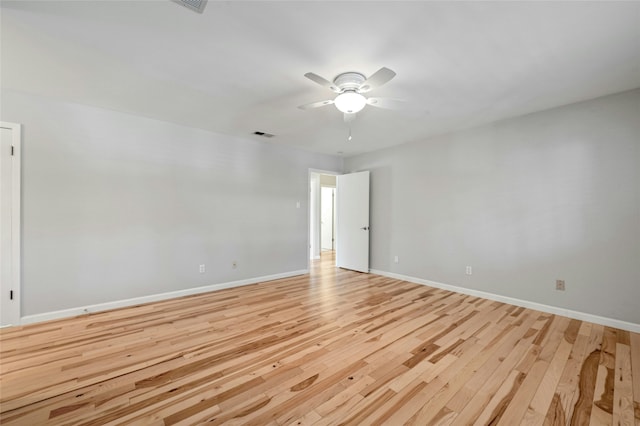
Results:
[350, 87]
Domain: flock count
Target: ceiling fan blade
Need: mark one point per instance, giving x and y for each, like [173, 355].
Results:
[322, 81]
[349, 117]
[386, 103]
[316, 104]
[380, 77]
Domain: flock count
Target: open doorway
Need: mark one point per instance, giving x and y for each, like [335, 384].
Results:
[345, 223]
[327, 217]
[322, 216]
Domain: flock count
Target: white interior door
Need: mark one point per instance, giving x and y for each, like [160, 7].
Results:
[352, 205]
[326, 217]
[9, 223]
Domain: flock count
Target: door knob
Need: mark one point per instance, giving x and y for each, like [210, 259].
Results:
[366, 228]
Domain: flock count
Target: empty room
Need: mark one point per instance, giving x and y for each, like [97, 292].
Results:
[319, 212]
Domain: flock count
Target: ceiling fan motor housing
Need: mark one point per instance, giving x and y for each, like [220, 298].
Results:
[349, 81]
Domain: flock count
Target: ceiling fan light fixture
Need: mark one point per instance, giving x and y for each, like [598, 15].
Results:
[350, 102]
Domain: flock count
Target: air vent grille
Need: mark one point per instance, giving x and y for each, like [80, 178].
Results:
[196, 5]
[263, 134]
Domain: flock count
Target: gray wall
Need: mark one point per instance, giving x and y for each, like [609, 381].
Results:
[525, 201]
[117, 206]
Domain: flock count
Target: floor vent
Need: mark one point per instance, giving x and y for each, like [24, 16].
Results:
[263, 134]
[195, 5]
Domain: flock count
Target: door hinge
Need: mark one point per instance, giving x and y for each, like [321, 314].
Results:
[10, 294]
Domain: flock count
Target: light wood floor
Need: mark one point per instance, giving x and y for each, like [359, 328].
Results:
[334, 347]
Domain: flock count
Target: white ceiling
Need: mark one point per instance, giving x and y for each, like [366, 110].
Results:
[239, 66]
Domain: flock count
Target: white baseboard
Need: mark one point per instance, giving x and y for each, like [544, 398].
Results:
[71, 312]
[609, 322]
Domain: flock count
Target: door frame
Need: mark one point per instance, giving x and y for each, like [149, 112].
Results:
[309, 224]
[15, 285]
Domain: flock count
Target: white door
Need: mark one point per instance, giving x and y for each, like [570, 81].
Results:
[9, 223]
[326, 217]
[353, 221]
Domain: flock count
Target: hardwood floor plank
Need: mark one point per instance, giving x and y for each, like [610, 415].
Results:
[623, 391]
[634, 341]
[328, 348]
[581, 413]
[602, 410]
[546, 390]
[565, 394]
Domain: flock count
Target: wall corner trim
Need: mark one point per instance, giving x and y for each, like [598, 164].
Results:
[609, 322]
[71, 312]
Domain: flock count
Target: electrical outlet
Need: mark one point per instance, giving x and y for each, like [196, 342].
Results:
[234, 264]
[395, 259]
[560, 285]
[202, 269]
[468, 270]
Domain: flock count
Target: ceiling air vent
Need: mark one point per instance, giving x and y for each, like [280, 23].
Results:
[263, 134]
[196, 5]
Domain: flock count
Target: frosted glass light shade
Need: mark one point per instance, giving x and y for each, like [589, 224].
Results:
[350, 102]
